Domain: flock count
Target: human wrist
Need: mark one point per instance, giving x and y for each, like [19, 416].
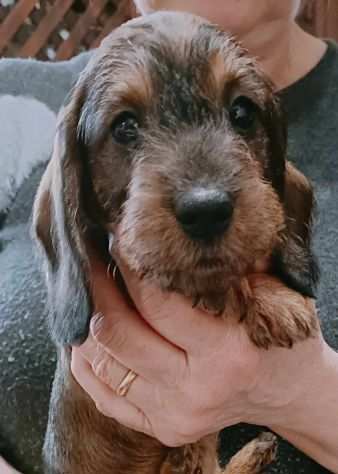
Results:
[313, 391]
[309, 421]
[282, 378]
[6, 468]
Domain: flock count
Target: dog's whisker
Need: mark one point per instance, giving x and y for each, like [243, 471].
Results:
[196, 301]
[112, 270]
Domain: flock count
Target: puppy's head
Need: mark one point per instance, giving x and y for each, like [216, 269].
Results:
[174, 143]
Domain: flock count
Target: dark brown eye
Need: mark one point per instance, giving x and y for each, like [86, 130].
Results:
[243, 114]
[125, 128]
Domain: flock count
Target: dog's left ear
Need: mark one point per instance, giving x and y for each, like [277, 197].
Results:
[59, 225]
[295, 262]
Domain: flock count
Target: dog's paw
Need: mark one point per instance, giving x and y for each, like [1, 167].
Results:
[265, 447]
[255, 456]
[278, 316]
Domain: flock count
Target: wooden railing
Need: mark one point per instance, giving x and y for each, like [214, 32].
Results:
[320, 17]
[59, 32]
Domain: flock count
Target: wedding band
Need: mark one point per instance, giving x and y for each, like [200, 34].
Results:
[125, 384]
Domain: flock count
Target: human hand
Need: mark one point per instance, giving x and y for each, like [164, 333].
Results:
[196, 374]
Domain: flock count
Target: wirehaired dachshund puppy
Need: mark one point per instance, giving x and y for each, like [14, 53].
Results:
[173, 142]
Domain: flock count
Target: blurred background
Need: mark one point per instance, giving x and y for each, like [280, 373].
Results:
[55, 30]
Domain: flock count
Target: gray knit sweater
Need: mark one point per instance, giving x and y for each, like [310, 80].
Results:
[27, 358]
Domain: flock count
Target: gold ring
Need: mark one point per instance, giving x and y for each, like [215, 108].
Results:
[125, 384]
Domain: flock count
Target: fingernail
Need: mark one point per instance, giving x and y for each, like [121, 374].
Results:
[96, 323]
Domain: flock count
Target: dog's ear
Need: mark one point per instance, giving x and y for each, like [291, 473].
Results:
[295, 262]
[59, 226]
[275, 124]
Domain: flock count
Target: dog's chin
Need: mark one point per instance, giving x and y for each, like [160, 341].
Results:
[205, 284]
[203, 273]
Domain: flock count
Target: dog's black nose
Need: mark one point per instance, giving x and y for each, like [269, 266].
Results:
[204, 214]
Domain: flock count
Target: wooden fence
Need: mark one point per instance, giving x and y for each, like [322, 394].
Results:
[59, 29]
[320, 17]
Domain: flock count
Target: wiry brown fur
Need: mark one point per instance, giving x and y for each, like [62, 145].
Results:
[254, 457]
[179, 75]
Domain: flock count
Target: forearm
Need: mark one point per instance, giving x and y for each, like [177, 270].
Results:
[311, 423]
[6, 468]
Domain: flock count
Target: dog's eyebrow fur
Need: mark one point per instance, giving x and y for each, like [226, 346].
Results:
[100, 109]
[121, 82]
[141, 71]
[145, 66]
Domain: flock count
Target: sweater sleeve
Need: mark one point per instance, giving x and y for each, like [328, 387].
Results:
[47, 82]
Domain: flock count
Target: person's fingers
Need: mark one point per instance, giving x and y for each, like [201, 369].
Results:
[103, 288]
[173, 316]
[141, 400]
[108, 369]
[128, 337]
[112, 373]
[106, 401]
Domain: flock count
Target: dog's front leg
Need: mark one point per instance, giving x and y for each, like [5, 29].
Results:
[276, 315]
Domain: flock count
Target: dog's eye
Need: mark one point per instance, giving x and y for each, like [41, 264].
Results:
[243, 114]
[125, 128]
